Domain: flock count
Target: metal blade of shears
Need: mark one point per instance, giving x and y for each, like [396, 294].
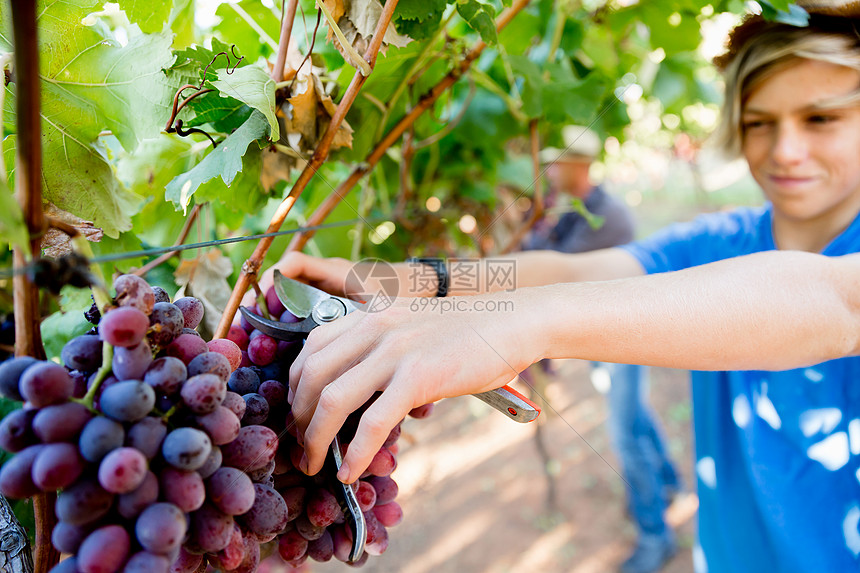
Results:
[298, 298]
[348, 504]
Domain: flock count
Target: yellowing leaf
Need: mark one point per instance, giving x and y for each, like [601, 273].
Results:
[56, 243]
[205, 277]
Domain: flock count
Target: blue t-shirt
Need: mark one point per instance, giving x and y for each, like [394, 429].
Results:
[777, 453]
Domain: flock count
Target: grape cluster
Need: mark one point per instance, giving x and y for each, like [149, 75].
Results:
[170, 453]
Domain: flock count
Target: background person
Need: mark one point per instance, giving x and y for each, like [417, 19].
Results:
[635, 434]
[765, 302]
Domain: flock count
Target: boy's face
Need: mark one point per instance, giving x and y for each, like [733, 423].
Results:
[570, 176]
[804, 155]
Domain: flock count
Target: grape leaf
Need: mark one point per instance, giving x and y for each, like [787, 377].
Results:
[420, 10]
[479, 16]
[150, 15]
[252, 86]
[224, 113]
[251, 26]
[225, 160]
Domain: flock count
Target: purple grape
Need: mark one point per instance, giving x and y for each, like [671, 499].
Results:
[147, 436]
[160, 528]
[256, 409]
[262, 350]
[61, 423]
[68, 565]
[213, 462]
[292, 546]
[263, 474]
[124, 326]
[129, 505]
[243, 381]
[273, 303]
[17, 431]
[342, 542]
[231, 557]
[10, 375]
[231, 491]
[83, 503]
[57, 466]
[145, 562]
[386, 489]
[192, 310]
[366, 496]
[234, 403]
[268, 515]
[186, 562]
[275, 394]
[222, 425]
[80, 380]
[131, 363]
[46, 383]
[252, 555]
[16, 475]
[186, 346]
[253, 448]
[203, 393]
[186, 448]
[295, 498]
[165, 323]
[383, 463]
[82, 353]
[192, 332]
[160, 294]
[183, 489]
[323, 508]
[210, 363]
[321, 549]
[388, 514]
[122, 470]
[67, 538]
[166, 374]
[247, 326]
[105, 549]
[131, 290]
[307, 529]
[211, 529]
[128, 401]
[99, 436]
[229, 349]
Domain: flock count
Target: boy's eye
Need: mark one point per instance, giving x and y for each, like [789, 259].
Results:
[752, 124]
[821, 118]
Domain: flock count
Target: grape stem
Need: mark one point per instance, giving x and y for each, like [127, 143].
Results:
[261, 301]
[166, 416]
[106, 367]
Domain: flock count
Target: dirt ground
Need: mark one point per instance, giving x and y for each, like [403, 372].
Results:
[474, 489]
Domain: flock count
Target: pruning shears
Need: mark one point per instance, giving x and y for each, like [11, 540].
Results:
[314, 307]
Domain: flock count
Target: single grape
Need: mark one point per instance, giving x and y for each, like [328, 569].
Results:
[292, 546]
[321, 549]
[124, 326]
[386, 489]
[192, 332]
[99, 436]
[231, 556]
[127, 401]
[192, 310]
[166, 374]
[60, 423]
[10, 375]
[212, 463]
[17, 430]
[379, 545]
[160, 528]
[295, 498]
[67, 538]
[186, 562]
[341, 538]
[145, 562]
[275, 394]
[165, 323]
[393, 436]
[210, 363]
[268, 516]
[122, 470]
[16, 475]
[82, 353]
[243, 381]
[262, 350]
[203, 393]
[323, 508]
[235, 403]
[238, 335]
[263, 474]
[252, 555]
[147, 436]
[231, 491]
[253, 448]
[80, 381]
[222, 425]
[131, 290]
[383, 463]
[246, 361]
[83, 503]
[211, 529]
[129, 505]
[186, 346]
[131, 363]
[184, 489]
[273, 303]
[46, 383]
[247, 326]
[186, 448]
[276, 370]
[389, 514]
[256, 409]
[229, 349]
[307, 529]
[160, 294]
[57, 466]
[366, 496]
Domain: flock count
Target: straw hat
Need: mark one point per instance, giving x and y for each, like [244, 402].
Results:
[580, 144]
